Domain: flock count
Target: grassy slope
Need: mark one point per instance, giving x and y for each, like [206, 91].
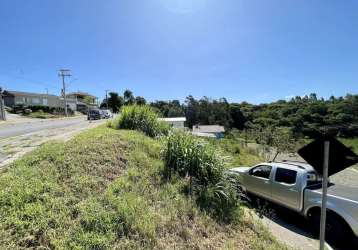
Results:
[352, 143]
[103, 189]
[237, 153]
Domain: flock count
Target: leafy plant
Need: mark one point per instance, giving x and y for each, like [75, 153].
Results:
[141, 118]
[189, 156]
[197, 161]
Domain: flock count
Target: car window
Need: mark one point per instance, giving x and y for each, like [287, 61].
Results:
[287, 176]
[262, 171]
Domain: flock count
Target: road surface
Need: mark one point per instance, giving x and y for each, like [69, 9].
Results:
[15, 129]
[21, 136]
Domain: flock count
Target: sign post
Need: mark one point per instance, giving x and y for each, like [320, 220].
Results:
[324, 196]
[327, 156]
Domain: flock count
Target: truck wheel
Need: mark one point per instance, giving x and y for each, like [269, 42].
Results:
[337, 230]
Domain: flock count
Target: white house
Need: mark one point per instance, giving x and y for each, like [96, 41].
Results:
[215, 131]
[175, 122]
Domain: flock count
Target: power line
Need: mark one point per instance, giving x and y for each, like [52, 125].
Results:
[29, 80]
[63, 73]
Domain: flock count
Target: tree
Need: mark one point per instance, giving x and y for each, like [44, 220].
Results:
[88, 100]
[191, 111]
[115, 102]
[128, 97]
[139, 100]
[238, 118]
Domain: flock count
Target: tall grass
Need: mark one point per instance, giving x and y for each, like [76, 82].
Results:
[201, 164]
[189, 156]
[141, 118]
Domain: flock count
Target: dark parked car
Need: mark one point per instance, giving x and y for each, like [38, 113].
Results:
[94, 114]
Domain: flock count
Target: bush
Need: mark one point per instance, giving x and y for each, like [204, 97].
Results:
[220, 199]
[141, 118]
[190, 157]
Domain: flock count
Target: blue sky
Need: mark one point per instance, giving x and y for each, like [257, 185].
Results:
[258, 51]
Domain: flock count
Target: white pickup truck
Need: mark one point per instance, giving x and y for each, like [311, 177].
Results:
[297, 186]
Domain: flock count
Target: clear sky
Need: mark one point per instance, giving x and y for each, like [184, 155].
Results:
[254, 50]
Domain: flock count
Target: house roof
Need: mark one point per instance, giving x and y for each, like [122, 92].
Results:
[208, 129]
[21, 93]
[173, 119]
[80, 93]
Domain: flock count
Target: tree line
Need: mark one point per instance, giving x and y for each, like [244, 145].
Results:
[303, 116]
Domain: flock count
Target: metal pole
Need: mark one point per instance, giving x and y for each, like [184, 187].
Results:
[2, 107]
[324, 196]
[63, 73]
[64, 93]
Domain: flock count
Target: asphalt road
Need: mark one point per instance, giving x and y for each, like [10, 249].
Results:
[16, 129]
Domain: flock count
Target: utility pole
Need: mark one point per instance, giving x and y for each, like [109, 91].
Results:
[107, 98]
[63, 73]
[2, 107]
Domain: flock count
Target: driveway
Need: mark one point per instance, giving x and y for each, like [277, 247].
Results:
[22, 136]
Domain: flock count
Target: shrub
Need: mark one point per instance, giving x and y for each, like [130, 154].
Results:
[141, 118]
[189, 156]
[194, 158]
[220, 199]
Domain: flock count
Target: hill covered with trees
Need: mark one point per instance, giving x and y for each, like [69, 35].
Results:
[303, 116]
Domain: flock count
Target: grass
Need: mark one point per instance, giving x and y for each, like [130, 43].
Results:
[42, 115]
[351, 143]
[141, 118]
[236, 152]
[104, 190]
[192, 158]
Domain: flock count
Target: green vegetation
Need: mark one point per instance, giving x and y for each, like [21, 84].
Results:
[42, 115]
[141, 118]
[237, 152]
[303, 116]
[197, 160]
[116, 102]
[351, 143]
[104, 190]
[39, 111]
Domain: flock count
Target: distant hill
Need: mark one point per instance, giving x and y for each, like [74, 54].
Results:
[304, 116]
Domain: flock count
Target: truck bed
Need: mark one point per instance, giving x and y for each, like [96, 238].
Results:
[341, 191]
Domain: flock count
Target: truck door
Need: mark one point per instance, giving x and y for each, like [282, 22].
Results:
[286, 188]
[259, 181]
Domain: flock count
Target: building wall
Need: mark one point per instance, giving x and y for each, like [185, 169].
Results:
[9, 101]
[176, 124]
[50, 101]
[71, 103]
